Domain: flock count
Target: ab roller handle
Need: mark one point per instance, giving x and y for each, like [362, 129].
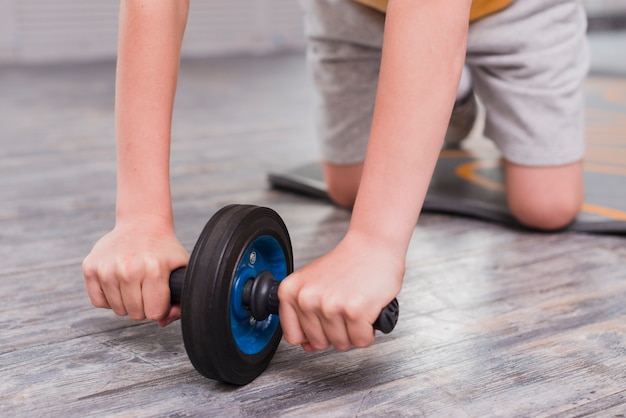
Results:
[260, 296]
[177, 278]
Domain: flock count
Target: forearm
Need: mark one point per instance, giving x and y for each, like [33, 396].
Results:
[423, 55]
[150, 37]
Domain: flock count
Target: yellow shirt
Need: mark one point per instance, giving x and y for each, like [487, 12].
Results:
[480, 8]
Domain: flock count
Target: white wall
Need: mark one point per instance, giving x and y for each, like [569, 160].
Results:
[78, 30]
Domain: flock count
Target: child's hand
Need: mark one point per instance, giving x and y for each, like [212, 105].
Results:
[128, 270]
[335, 300]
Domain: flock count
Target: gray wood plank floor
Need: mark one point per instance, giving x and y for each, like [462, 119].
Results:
[494, 322]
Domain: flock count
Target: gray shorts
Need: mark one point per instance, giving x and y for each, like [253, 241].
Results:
[528, 63]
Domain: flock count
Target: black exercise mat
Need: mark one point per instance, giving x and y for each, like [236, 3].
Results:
[468, 182]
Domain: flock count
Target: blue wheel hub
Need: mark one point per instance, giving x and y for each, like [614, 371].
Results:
[263, 254]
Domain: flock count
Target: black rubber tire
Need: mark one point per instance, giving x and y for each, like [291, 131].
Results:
[205, 301]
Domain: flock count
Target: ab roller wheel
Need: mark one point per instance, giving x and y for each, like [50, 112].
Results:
[222, 338]
[229, 294]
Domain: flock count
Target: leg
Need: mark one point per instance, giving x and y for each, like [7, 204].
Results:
[532, 88]
[343, 182]
[344, 42]
[545, 198]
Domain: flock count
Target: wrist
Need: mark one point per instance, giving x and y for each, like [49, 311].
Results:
[145, 196]
[388, 250]
[149, 220]
[158, 217]
[392, 233]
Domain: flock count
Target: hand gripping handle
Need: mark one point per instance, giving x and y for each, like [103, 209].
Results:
[260, 295]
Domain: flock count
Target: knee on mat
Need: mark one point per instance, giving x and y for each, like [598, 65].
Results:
[546, 214]
[341, 194]
[342, 183]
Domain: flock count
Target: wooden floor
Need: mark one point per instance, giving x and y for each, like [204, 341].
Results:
[494, 322]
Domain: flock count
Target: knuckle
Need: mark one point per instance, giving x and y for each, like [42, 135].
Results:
[128, 269]
[308, 300]
[155, 314]
[318, 344]
[99, 302]
[331, 308]
[363, 342]
[354, 309]
[157, 306]
[123, 271]
[89, 269]
[287, 290]
[290, 338]
[137, 316]
[152, 316]
[107, 277]
[342, 347]
[293, 336]
[151, 266]
[119, 311]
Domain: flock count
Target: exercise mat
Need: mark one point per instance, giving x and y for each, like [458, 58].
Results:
[468, 181]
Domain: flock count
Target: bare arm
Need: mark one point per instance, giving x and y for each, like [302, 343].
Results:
[423, 56]
[150, 38]
[334, 300]
[128, 268]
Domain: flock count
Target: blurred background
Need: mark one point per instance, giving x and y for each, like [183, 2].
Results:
[43, 31]
[34, 31]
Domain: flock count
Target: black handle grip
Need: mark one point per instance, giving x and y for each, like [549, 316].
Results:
[388, 317]
[260, 295]
[177, 277]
